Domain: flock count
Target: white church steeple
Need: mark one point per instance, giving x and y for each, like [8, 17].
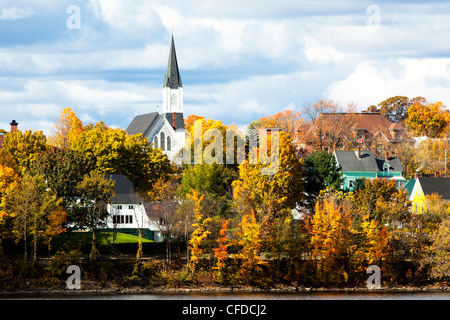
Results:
[172, 88]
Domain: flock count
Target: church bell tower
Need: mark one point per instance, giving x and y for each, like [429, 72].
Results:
[172, 88]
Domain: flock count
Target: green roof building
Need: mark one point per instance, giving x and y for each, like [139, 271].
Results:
[363, 164]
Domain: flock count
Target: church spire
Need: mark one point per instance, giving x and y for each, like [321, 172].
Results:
[173, 79]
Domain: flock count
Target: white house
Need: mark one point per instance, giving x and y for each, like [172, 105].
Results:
[127, 212]
[165, 129]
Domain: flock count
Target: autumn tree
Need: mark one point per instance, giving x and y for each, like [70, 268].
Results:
[328, 124]
[113, 151]
[213, 181]
[438, 253]
[395, 109]
[270, 194]
[95, 193]
[25, 148]
[430, 156]
[221, 251]
[431, 119]
[66, 130]
[210, 141]
[63, 169]
[200, 232]
[287, 120]
[35, 211]
[165, 203]
[9, 181]
[330, 229]
[249, 242]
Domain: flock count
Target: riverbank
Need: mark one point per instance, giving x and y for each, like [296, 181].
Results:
[92, 289]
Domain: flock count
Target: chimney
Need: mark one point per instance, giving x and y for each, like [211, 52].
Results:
[174, 123]
[358, 153]
[2, 139]
[14, 125]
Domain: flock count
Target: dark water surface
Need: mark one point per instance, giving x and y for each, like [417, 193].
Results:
[380, 295]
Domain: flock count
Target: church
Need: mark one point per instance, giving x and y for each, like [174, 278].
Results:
[166, 128]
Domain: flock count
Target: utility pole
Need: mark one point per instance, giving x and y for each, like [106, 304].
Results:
[446, 163]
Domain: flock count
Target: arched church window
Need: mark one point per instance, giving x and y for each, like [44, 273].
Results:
[156, 142]
[173, 102]
[163, 141]
[169, 144]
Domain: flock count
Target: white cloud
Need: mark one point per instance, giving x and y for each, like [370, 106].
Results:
[371, 82]
[15, 13]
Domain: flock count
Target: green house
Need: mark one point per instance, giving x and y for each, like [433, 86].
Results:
[363, 164]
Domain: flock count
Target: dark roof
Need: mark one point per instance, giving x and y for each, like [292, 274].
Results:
[125, 193]
[179, 120]
[394, 164]
[441, 186]
[173, 79]
[349, 161]
[143, 124]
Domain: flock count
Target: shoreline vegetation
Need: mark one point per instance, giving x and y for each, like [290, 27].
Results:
[220, 226]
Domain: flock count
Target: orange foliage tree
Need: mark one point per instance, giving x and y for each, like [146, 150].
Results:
[431, 119]
[331, 237]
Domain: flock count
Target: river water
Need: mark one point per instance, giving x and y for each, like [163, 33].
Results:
[380, 295]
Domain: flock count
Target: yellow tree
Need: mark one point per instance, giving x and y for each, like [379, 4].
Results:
[66, 129]
[250, 243]
[200, 232]
[25, 147]
[9, 180]
[431, 119]
[372, 243]
[330, 229]
[269, 194]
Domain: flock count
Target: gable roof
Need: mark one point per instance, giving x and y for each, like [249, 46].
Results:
[143, 124]
[349, 161]
[431, 185]
[173, 79]
[125, 193]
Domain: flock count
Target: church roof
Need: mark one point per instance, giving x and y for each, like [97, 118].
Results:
[146, 122]
[143, 124]
[173, 79]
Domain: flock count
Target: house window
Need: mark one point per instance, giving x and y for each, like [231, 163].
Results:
[126, 219]
[163, 141]
[351, 184]
[119, 207]
[122, 219]
[169, 144]
[130, 219]
[156, 142]
[130, 207]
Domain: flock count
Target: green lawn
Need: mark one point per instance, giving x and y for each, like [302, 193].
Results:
[102, 238]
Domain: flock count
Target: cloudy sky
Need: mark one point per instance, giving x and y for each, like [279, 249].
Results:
[239, 59]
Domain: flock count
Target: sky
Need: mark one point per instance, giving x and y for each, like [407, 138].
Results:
[239, 60]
